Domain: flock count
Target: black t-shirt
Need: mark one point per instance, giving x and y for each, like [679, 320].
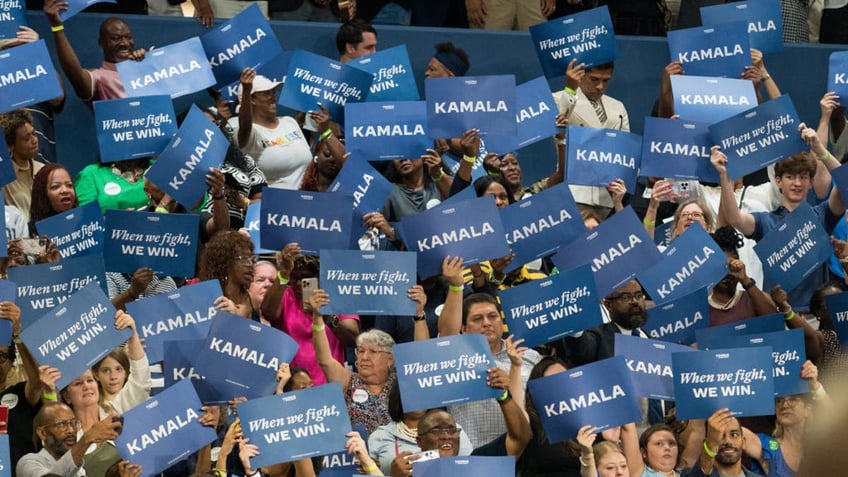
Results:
[21, 415]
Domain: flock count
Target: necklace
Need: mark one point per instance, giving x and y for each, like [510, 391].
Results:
[726, 306]
[407, 431]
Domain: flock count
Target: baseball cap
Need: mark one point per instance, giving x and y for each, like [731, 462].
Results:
[260, 84]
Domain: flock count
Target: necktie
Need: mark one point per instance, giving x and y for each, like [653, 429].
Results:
[599, 109]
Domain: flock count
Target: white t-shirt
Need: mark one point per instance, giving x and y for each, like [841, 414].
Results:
[282, 153]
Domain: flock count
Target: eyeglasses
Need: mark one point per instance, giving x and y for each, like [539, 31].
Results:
[692, 215]
[625, 297]
[246, 259]
[443, 431]
[788, 401]
[364, 351]
[65, 424]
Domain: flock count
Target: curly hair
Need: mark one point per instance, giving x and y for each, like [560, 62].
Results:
[728, 239]
[220, 254]
[39, 207]
[310, 177]
[12, 121]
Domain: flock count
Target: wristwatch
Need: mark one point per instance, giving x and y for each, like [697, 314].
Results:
[334, 323]
[421, 317]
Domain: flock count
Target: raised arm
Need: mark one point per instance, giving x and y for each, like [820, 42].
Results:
[420, 329]
[245, 113]
[272, 302]
[813, 340]
[728, 207]
[450, 321]
[80, 78]
[763, 303]
[433, 163]
[585, 438]
[333, 370]
[665, 105]
[518, 432]
[828, 105]
[822, 181]
[220, 212]
[630, 446]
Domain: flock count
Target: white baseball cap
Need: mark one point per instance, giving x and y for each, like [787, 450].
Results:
[260, 84]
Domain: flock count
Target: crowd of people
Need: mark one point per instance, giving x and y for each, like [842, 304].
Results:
[71, 431]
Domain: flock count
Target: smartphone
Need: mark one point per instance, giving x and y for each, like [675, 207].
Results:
[33, 246]
[428, 455]
[308, 285]
[4, 419]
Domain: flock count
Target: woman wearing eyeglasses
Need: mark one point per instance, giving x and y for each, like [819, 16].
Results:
[688, 212]
[228, 258]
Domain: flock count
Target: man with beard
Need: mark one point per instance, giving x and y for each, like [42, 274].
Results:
[626, 307]
[62, 454]
[722, 451]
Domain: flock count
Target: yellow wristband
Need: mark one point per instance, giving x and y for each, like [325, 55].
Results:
[326, 134]
[219, 473]
[470, 159]
[790, 316]
[440, 176]
[454, 287]
[283, 280]
[50, 397]
[54, 29]
[708, 450]
[162, 210]
[825, 156]
[370, 468]
[570, 91]
[649, 223]
[317, 328]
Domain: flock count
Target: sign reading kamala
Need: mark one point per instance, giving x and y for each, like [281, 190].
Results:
[693, 261]
[457, 104]
[470, 229]
[296, 425]
[837, 73]
[393, 79]
[678, 149]
[444, 371]
[178, 365]
[251, 223]
[596, 157]
[387, 131]
[542, 311]
[244, 41]
[183, 314]
[75, 232]
[466, 466]
[539, 225]
[739, 379]
[617, 250]
[167, 243]
[793, 250]
[649, 362]
[130, 128]
[358, 180]
[7, 172]
[759, 137]
[787, 351]
[12, 15]
[709, 100]
[587, 36]
[368, 283]
[163, 430]
[717, 50]
[76, 6]
[535, 117]
[43, 286]
[181, 168]
[764, 19]
[837, 305]
[175, 70]
[678, 320]
[315, 220]
[244, 353]
[27, 76]
[600, 393]
[750, 326]
[314, 79]
[75, 335]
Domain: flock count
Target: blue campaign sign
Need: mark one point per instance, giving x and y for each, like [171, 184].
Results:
[793, 250]
[541, 311]
[183, 314]
[677, 149]
[75, 232]
[693, 261]
[244, 41]
[587, 36]
[535, 117]
[5, 459]
[539, 225]
[715, 50]
[758, 324]
[251, 223]
[599, 394]
[76, 6]
[8, 292]
[164, 429]
[175, 70]
[14, 15]
[315, 220]
[763, 17]
[7, 172]
[130, 128]
[368, 189]
[44, 286]
[296, 425]
[471, 229]
[596, 157]
[617, 250]
[368, 282]
[759, 137]
[76, 334]
[244, 353]
[342, 464]
[181, 168]
[457, 104]
[837, 306]
[444, 371]
[467, 466]
[28, 76]
[678, 320]
[709, 100]
[387, 131]
[739, 379]
[167, 243]
[393, 78]
[313, 79]
[787, 351]
[837, 73]
[178, 365]
[649, 362]
[275, 70]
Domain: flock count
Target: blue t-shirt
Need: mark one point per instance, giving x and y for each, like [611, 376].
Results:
[772, 453]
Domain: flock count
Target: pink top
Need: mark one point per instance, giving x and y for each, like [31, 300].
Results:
[106, 83]
[298, 325]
